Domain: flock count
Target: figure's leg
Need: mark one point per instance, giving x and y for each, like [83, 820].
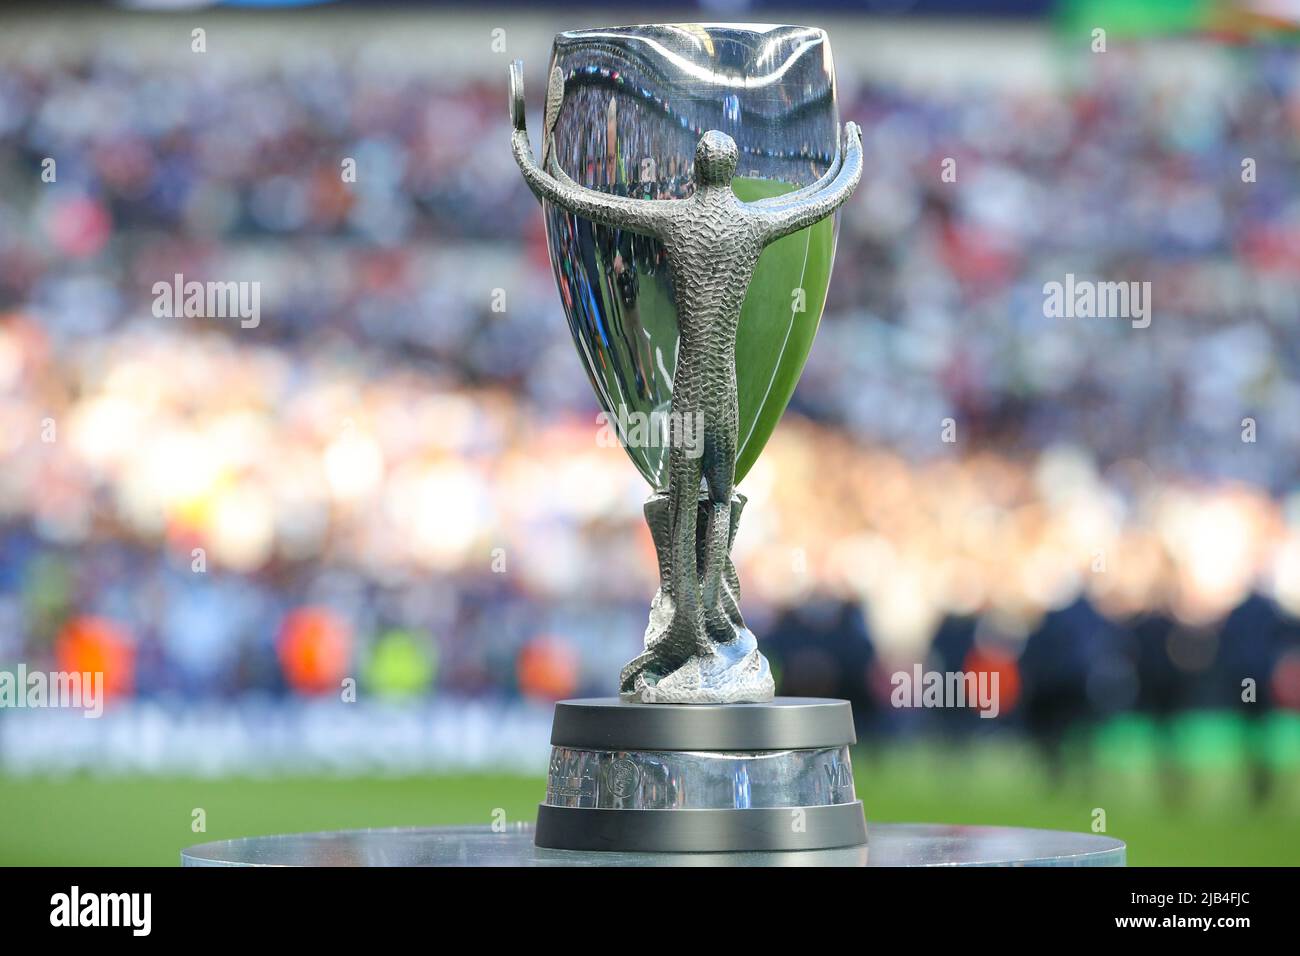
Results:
[676, 630]
[719, 470]
[717, 623]
[686, 633]
[661, 607]
[729, 599]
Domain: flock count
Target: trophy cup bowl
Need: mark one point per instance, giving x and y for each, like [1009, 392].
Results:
[689, 175]
[631, 104]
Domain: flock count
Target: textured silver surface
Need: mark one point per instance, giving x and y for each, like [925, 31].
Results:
[676, 780]
[888, 844]
[697, 647]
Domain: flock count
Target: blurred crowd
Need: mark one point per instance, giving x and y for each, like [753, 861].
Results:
[395, 477]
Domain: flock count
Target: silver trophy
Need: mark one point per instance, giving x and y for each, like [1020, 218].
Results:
[688, 175]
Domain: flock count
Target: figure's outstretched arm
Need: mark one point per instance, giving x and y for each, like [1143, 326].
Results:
[773, 203]
[555, 169]
[648, 216]
[785, 219]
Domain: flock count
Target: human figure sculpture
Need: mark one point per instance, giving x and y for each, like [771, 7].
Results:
[697, 648]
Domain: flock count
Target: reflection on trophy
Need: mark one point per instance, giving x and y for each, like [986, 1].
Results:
[688, 173]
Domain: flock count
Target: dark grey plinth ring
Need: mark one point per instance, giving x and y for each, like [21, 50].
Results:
[702, 831]
[786, 723]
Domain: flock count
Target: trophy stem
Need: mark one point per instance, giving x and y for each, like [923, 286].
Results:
[673, 668]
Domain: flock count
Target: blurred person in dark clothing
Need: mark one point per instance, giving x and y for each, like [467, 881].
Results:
[821, 648]
[1073, 671]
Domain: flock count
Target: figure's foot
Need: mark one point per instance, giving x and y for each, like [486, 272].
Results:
[731, 673]
[671, 637]
[720, 626]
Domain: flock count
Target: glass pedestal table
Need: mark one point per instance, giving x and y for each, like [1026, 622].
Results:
[888, 844]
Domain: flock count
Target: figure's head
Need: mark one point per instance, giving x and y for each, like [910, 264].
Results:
[715, 159]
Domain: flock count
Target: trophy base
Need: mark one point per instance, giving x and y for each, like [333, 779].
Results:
[686, 778]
